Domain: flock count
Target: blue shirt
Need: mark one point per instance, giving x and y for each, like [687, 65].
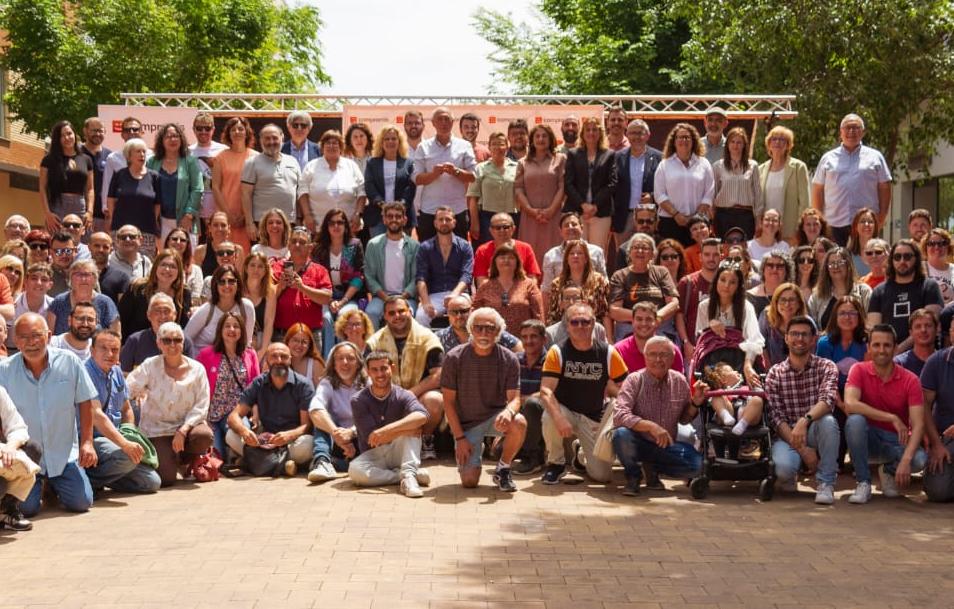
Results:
[441, 276]
[279, 409]
[48, 404]
[843, 359]
[111, 391]
[909, 361]
[938, 376]
[300, 154]
[636, 165]
[106, 311]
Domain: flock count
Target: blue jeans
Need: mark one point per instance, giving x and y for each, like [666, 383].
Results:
[71, 487]
[328, 338]
[475, 435]
[870, 444]
[678, 460]
[823, 435]
[375, 310]
[219, 429]
[115, 470]
[325, 448]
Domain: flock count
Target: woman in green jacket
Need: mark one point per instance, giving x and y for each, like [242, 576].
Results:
[180, 181]
[784, 181]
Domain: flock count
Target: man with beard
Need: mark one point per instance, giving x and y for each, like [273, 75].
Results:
[458, 310]
[571, 133]
[82, 322]
[390, 262]
[112, 281]
[63, 250]
[905, 290]
[692, 289]
[282, 397]
[93, 134]
[716, 121]
[518, 136]
[445, 268]
[270, 179]
[480, 382]
[469, 125]
[616, 129]
[413, 130]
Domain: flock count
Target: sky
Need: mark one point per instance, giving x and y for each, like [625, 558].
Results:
[417, 47]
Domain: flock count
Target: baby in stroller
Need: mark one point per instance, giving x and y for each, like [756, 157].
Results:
[736, 411]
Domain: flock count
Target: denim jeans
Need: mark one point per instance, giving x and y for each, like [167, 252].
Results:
[324, 447]
[823, 435]
[678, 460]
[115, 470]
[940, 486]
[870, 444]
[71, 487]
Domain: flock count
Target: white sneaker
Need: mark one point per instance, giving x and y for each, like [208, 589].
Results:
[423, 477]
[825, 495]
[862, 493]
[410, 488]
[428, 452]
[322, 472]
[889, 488]
[788, 486]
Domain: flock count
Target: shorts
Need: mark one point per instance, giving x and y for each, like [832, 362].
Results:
[475, 435]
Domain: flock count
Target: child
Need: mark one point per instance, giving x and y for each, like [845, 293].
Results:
[700, 231]
[737, 411]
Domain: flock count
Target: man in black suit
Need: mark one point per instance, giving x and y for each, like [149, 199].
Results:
[298, 145]
[635, 167]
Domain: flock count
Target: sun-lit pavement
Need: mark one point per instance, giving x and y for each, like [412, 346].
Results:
[286, 544]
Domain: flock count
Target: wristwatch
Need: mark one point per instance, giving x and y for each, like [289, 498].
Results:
[808, 417]
[456, 171]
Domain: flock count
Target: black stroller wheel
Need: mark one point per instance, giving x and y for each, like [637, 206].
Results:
[766, 489]
[699, 487]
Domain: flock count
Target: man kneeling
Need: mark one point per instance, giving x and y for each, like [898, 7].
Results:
[388, 420]
[480, 381]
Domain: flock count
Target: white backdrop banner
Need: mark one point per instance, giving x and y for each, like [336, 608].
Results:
[152, 119]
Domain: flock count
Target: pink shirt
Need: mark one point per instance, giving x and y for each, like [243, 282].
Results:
[635, 360]
[897, 395]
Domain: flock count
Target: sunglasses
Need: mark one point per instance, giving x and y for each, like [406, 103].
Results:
[221, 253]
[168, 340]
[177, 240]
[300, 126]
[669, 257]
[458, 311]
[876, 253]
[228, 281]
[127, 237]
[778, 266]
[937, 244]
[63, 251]
[735, 240]
[645, 222]
[484, 329]
[809, 260]
[336, 223]
[39, 246]
[501, 226]
[906, 256]
[132, 129]
[75, 225]
[581, 322]
[202, 128]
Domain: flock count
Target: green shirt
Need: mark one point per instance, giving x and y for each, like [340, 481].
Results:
[494, 187]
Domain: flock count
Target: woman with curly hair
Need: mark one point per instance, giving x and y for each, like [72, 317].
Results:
[684, 183]
[578, 270]
[180, 180]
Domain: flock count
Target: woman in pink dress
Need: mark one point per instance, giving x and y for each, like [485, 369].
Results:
[227, 176]
[539, 191]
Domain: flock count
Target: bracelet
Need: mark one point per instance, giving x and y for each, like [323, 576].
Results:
[459, 438]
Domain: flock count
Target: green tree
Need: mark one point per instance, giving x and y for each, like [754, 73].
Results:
[588, 47]
[67, 57]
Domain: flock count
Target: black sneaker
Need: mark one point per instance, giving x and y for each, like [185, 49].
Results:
[632, 487]
[553, 473]
[525, 467]
[12, 518]
[504, 480]
[653, 482]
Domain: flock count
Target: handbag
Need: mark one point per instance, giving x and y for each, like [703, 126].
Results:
[258, 461]
[205, 467]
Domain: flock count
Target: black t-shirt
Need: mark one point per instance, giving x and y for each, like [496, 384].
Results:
[896, 302]
[583, 375]
[113, 283]
[434, 358]
[135, 200]
[77, 171]
[99, 166]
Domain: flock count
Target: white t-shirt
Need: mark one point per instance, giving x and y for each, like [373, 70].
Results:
[334, 260]
[59, 341]
[945, 279]
[270, 252]
[210, 151]
[390, 175]
[393, 266]
[775, 191]
[757, 251]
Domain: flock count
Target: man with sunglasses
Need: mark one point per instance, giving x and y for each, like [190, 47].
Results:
[63, 250]
[126, 257]
[905, 290]
[458, 310]
[875, 255]
[645, 220]
[298, 145]
[131, 128]
[635, 170]
[205, 149]
[93, 135]
[501, 229]
[480, 383]
[578, 375]
[571, 228]
[73, 225]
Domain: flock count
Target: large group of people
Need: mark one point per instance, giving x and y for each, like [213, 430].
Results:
[356, 304]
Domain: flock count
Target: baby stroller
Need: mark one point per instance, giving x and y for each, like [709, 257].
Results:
[720, 447]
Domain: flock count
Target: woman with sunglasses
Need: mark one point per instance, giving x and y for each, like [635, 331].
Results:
[38, 242]
[179, 241]
[181, 180]
[836, 278]
[306, 360]
[227, 177]
[937, 250]
[165, 276]
[226, 290]
[343, 256]
[806, 269]
[876, 257]
[767, 237]
[220, 231]
[509, 290]
[863, 227]
[12, 269]
[737, 254]
[230, 364]
[174, 401]
[776, 269]
[787, 302]
[670, 255]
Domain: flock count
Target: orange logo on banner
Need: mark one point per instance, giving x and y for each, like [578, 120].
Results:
[353, 119]
[538, 120]
[117, 126]
[492, 120]
[399, 119]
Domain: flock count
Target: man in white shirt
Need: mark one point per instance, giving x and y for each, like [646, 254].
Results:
[443, 167]
[413, 129]
[77, 339]
[570, 228]
[849, 178]
[131, 127]
[204, 150]
[716, 121]
[270, 179]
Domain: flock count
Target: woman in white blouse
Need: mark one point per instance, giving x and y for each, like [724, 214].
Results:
[683, 184]
[767, 238]
[727, 306]
[738, 191]
[226, 288]
[331, 181]
[174, 397]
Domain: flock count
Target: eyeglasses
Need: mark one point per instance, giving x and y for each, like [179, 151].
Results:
[63, 251]
[171, 340]
[778, 266]
[19, 226]
[39, 246]
[73, 225]
[899, 256]
[127, 237]
[169, 266]
[29, 338]
[132, 129]
[645, 222]
[484, 328]
[788, 300]
[355, 324]
[202, 128]
[937, 243]
[734, 260]
[581, 322]
[300, 125]
[806, 261]
[82, 275]
[501, 226]
[85, 319]
[876, 253]
[669, 257]
[458, 311]
[799, 334]
[221, 253]
[228, 281]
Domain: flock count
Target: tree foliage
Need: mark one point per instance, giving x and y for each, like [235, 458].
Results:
[67, 57]
[890, 62]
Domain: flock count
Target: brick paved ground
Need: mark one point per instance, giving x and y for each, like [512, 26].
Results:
[284, 544]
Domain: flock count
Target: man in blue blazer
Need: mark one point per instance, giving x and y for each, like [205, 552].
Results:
[298, 145]
[635, 171]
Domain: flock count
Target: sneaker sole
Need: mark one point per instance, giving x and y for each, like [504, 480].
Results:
[319, 477]
[512, 489]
